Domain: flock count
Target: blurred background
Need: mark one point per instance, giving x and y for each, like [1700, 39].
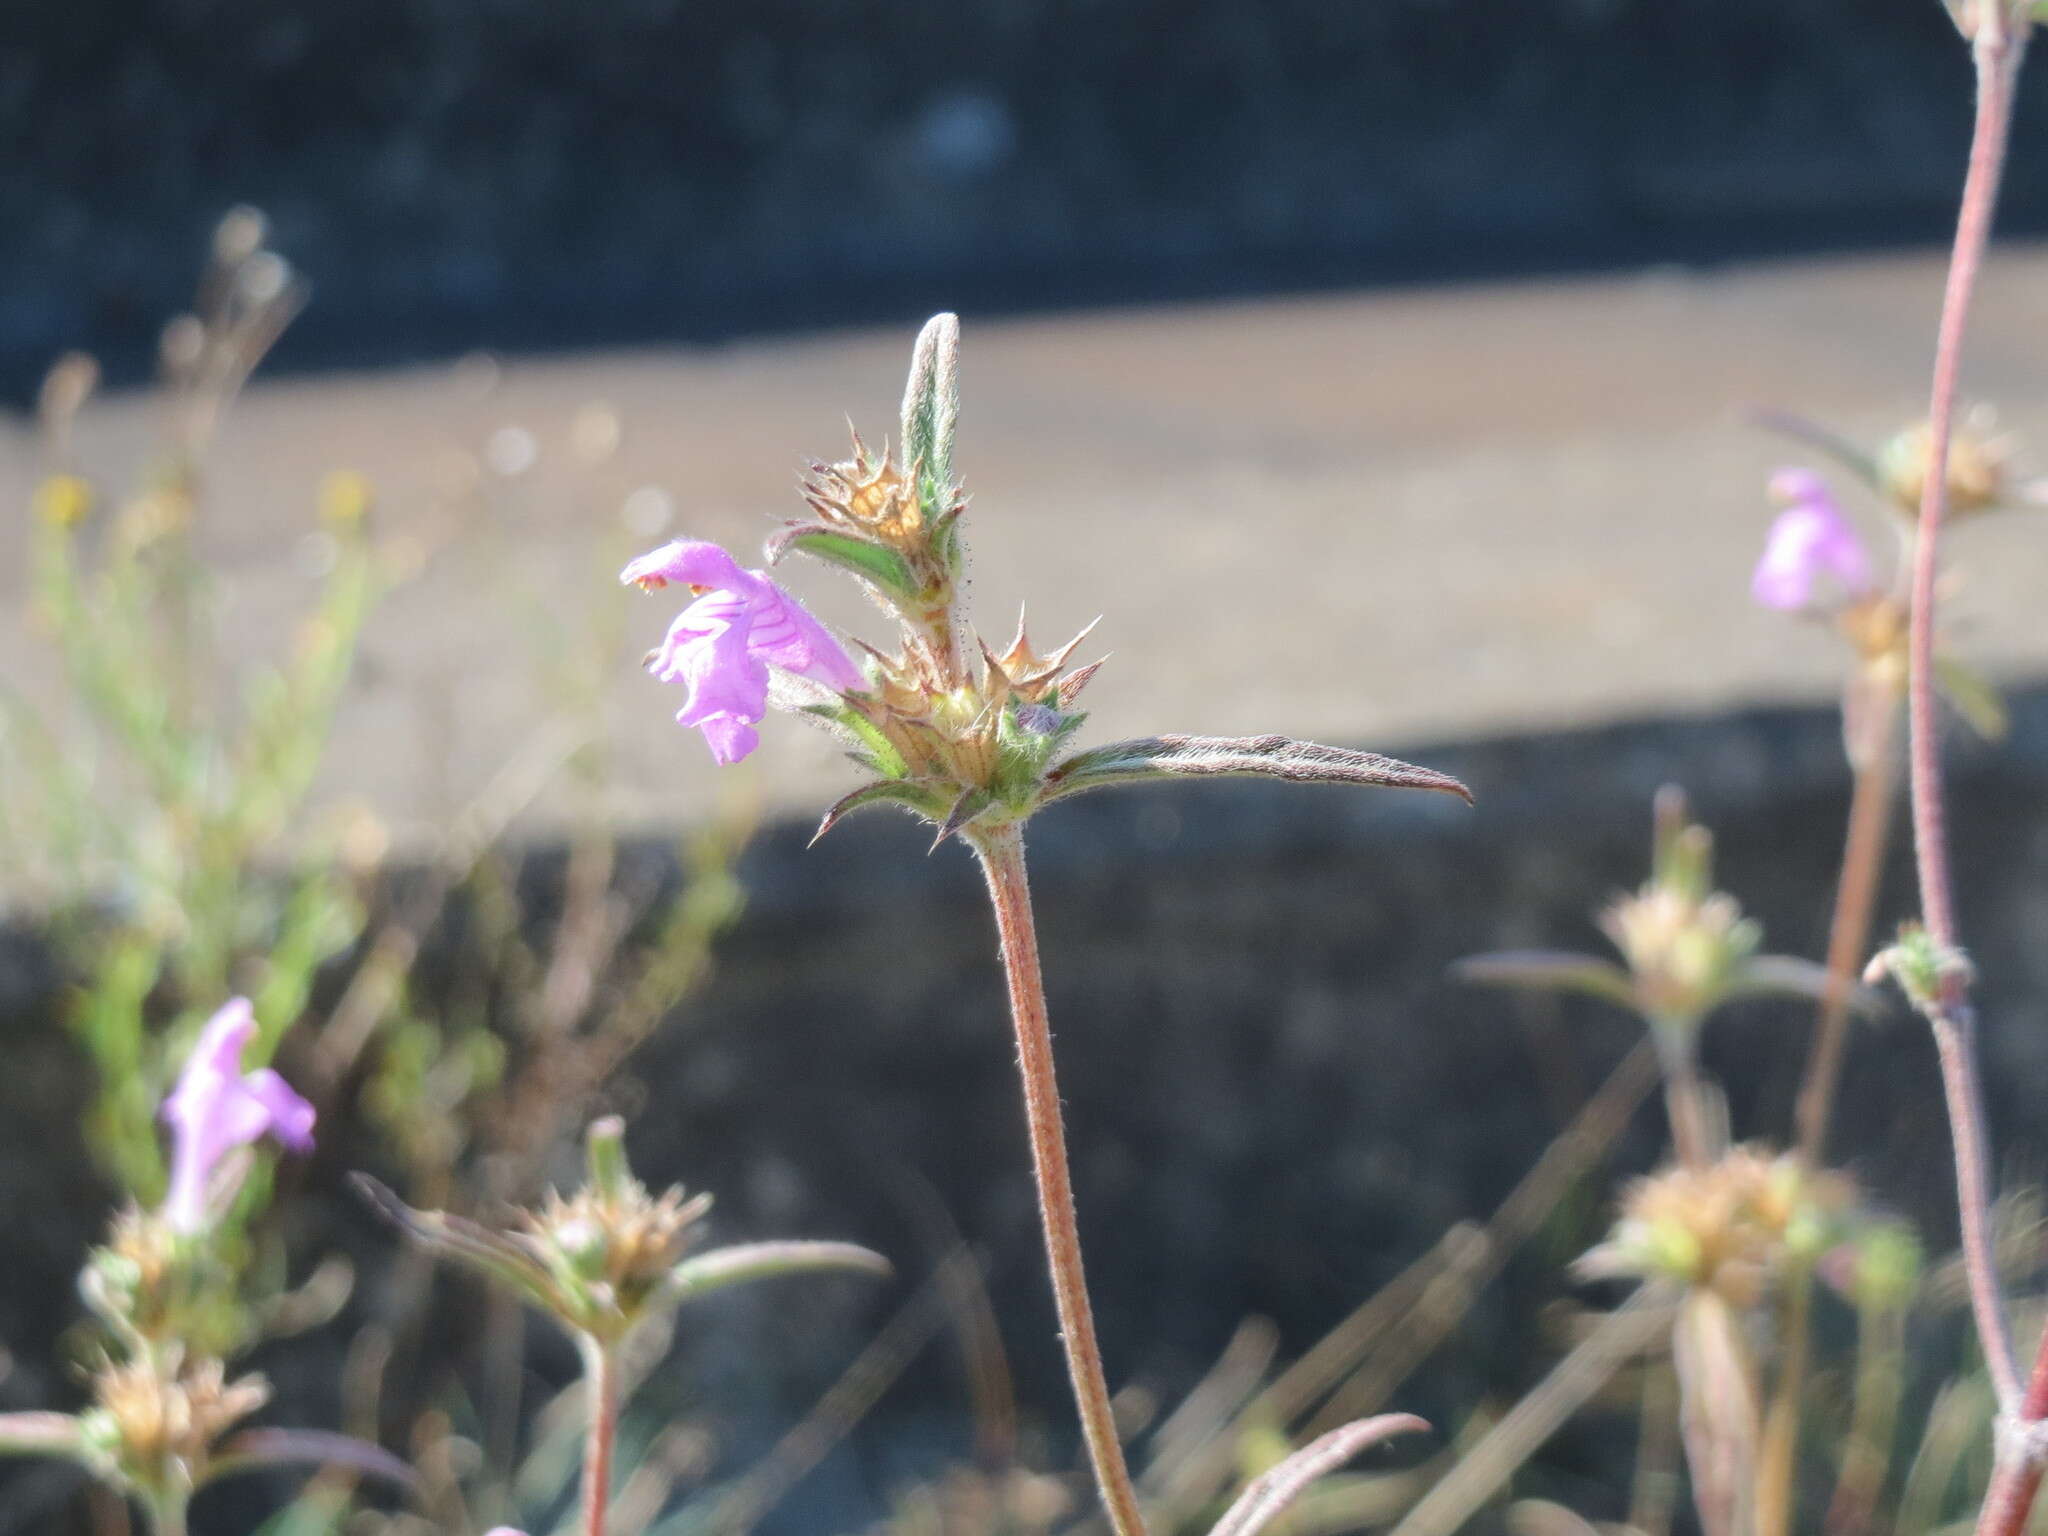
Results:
[514, 175]
[1382, 371]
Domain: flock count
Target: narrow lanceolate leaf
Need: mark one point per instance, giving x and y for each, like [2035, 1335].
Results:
[1790, 976]
[931, 408]
[1550, 970]
[490, 1253]
[254, 1449]
[1851, 456]
[924, 796]
[886, 570]
[1272, 757]
[745, 1262]
[1267, 1496]
[39, 1434]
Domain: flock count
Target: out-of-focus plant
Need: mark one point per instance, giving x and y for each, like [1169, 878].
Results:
[156, 816]
[604, 1263]
[1686, 950]
[165, 1414]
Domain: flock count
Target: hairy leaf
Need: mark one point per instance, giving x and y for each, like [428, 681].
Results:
[1273, 757]
[931, 409]
[1267, 1496]
[927, 797]
[884, 568]
[467, 1242]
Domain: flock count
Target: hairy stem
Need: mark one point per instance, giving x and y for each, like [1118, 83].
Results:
[601, 1406]
[1997, 52]
[1002, 860]
[1870, 818]
[1998, 48]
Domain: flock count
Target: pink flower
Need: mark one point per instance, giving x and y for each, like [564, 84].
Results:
[722, 645]
[1811, 540]
[216, 1108]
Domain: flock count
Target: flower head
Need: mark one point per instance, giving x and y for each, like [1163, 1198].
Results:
[722, 646]
[217, 1107]
[1812, 539]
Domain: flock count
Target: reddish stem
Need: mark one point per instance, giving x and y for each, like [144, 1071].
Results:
[600, 1388]
[1870, 816]
[1002, 860]
[1997, 50]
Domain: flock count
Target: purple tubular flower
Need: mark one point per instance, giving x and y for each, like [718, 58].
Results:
[217, 1107]
[1812, 539]
[722, 645]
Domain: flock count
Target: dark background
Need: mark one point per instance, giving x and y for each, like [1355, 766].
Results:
[527, 173]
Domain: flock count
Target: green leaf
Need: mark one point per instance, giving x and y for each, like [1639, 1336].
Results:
[491, 1254]
[931, 410]
[1849, 455]
[1267, 1496]
[1272, 757]
[745, 1262]
[40, 1434]
[255, 1449]
[1790, 976]
[884, 569]
[927, 797]
[1549, 970]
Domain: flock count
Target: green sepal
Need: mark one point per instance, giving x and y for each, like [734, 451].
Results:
[972, 802]
[882, 568]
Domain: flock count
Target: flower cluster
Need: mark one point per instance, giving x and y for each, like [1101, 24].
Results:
[1729, 1227]
[960, 733]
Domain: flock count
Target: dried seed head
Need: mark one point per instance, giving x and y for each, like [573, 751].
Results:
[870, 497]
[158, 1418]
[1977, 463]
[1729, 1227]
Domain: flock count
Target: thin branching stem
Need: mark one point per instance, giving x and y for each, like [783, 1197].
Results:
[1870, 817]
[1997, 51]
[1002, 860]
[1998, 44]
